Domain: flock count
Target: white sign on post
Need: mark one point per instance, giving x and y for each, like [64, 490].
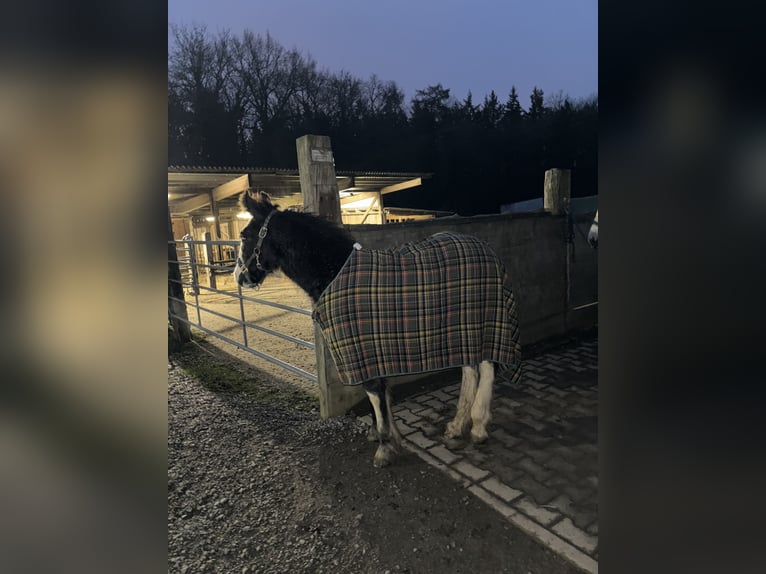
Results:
[323, 155]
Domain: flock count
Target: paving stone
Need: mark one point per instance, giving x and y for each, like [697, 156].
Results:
[560, 465]
[508, 440]
[536, 439]
[541, 515]
[577, 494]
[404, 429]
[443, 454]
[412, 406]
[559, 402]
[451, 389]
[538, 455]
[476, 457]
[427, 428]
[533, 401]
[537, 385]
[534, 394]
[442, 396]
[408, 417]
[532, 423]
[504, 412]
[533, 412]
[469, 470]
[539, 493]
[540, 466]
[436, 405]
[584, 517]
[491, 500]
[535, 470]
[431, 414]
[501, 490]
[421, 440]
[558, 392]
[504, 472]
[576, 536]
[510, 403]
[562, 504]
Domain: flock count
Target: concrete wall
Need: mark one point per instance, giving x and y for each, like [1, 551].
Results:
[534, 251]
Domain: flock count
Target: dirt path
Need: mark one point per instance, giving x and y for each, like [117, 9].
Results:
[257, 482]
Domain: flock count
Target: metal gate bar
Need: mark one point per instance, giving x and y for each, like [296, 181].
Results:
[290, 338]
[190, 247]
[269, 358]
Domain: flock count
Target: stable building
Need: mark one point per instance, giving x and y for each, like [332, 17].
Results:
[206, 199]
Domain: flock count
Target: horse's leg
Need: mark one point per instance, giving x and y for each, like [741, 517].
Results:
[462, 420]
[372, 433]
[378, 395]
[480, 411]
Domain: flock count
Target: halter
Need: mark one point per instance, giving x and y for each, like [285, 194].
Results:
[256, 254]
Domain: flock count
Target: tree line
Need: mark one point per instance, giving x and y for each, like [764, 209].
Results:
[243, 100]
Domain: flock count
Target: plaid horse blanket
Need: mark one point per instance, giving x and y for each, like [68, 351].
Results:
[435, 304]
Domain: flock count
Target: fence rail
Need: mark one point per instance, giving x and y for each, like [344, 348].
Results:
[191, 268]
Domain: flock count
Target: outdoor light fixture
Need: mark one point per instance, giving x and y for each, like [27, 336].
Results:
[210, 218]
[244, 215]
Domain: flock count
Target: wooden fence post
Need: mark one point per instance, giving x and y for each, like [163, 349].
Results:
[210, 259]
[319, 188]
[557, 193]
[557, 190]
[176, 309]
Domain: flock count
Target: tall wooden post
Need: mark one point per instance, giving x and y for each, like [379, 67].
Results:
[557, 193]
[176, 303]
[319, 189]
[557, 190]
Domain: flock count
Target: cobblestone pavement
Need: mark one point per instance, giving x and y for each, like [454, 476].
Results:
[539, 467]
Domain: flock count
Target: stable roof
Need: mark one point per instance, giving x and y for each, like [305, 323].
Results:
[191, 188]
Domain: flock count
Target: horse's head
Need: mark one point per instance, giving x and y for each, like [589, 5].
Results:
[257, 254]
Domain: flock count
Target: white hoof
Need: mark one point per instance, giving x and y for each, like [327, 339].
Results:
[454, 431]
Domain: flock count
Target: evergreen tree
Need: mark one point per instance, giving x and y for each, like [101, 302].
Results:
[536, 104]
[513, 110]
[491, 110]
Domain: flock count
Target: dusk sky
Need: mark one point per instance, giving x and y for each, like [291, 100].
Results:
[477, 45]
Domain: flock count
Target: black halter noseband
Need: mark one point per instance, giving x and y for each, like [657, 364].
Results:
[256, 254]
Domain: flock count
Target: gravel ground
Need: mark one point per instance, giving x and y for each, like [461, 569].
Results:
[257, 482]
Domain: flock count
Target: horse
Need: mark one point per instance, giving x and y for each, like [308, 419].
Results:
[593, 233]
[466, 318]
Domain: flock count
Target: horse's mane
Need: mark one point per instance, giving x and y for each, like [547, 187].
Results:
[309, 225]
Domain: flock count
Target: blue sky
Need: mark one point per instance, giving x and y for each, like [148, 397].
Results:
[477, 45]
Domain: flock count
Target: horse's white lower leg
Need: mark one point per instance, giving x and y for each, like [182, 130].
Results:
[396, 437]
[385, 453]
[480, 411]
[460, 423]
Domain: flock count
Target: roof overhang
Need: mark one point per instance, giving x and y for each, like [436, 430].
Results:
[192, 191]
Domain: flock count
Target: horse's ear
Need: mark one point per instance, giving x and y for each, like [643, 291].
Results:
[256, 202]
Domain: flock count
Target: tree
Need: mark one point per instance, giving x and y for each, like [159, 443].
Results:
[244, 100]
[536, 104]
[430, 106]
[491, 111]
[512, 110]
[466, 109]
[199, 87]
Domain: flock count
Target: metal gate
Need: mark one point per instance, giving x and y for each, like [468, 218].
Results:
[198, 305]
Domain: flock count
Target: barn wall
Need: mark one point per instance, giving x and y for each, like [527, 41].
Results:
[534, 251]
